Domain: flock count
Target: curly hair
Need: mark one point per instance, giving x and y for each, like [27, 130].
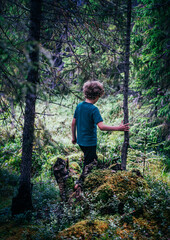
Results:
[93, 89]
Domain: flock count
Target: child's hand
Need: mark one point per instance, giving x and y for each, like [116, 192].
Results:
[124, 127]
[74, 140]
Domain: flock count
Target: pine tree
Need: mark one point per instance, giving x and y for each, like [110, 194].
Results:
[126, 81]
[23, 201]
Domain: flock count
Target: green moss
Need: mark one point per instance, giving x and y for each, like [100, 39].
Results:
[84, 230]
[126, 183]
[120, 183]
[96, 178]
[104, 192]
[140, 229]
[110, 190]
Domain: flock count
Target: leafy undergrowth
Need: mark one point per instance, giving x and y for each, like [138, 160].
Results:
[8, 183]
[121, 205]
[126, 205]
[149, 137]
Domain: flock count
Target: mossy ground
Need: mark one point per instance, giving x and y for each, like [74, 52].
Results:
[106, 192]
[13, 232]
[85, 229]
[118, 205]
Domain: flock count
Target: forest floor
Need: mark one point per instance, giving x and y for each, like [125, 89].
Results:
[124, 206]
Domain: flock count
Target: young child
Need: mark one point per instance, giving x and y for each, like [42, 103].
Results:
[86, 119]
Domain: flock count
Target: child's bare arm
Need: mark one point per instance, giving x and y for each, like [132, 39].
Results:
[73, 129]
[121, 127]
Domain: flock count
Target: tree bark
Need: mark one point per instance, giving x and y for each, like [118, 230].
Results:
[126, 81]
[23, 201]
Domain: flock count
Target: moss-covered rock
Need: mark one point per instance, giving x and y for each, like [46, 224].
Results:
[84, 230]
[104, 192]
[140, 229]
[121, 183]
[106, 187]
[96, 178]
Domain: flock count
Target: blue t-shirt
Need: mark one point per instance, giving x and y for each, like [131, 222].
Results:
[87, 117]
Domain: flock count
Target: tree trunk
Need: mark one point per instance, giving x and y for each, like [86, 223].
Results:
[126, 81]
[23, 201]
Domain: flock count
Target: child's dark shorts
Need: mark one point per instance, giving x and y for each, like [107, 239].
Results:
[89, 154]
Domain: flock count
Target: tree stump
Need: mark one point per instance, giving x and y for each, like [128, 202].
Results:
[64, 178]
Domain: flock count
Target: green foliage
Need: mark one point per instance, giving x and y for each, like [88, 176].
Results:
[123, 205]
[10, 155]
[109, 191]
[110, 143]
[8, 186]
[149, 139]
[145, 210]
[158, 199]
[150, 43]
[141, 216]
[7, 178]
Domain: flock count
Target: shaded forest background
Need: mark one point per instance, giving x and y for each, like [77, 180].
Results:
[48, 50]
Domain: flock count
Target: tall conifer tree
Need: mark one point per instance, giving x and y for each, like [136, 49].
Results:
[23, 200]
[126, 81]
